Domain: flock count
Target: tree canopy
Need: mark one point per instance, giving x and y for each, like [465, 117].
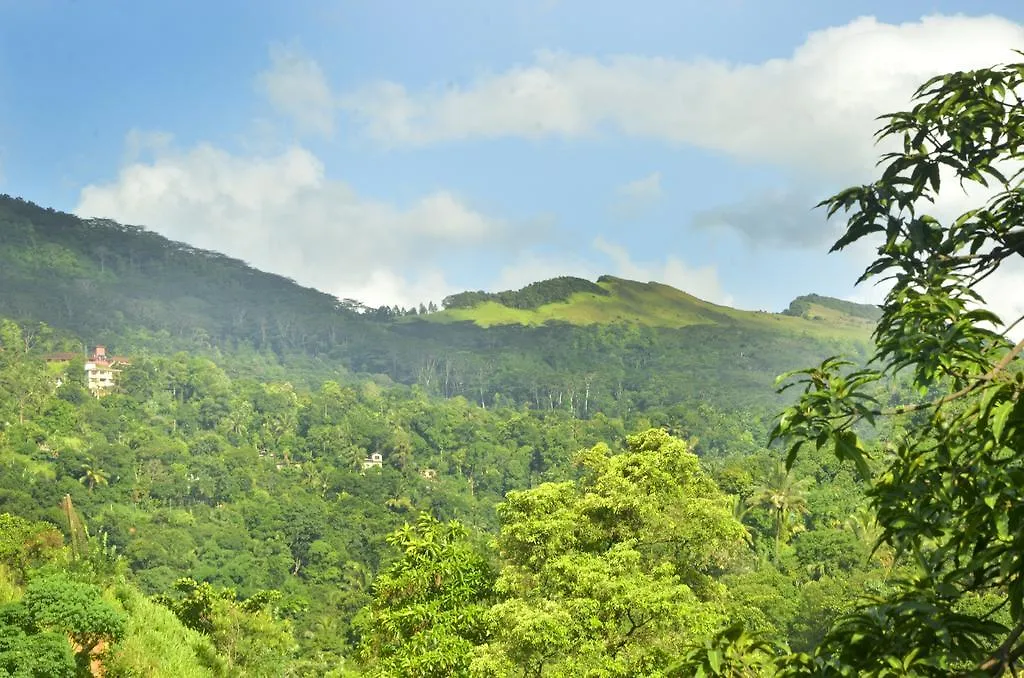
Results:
[948, 491]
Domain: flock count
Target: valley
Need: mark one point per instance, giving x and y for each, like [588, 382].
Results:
[260, 436]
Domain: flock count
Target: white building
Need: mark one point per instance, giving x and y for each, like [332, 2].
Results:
[101, 370]
[375, 460]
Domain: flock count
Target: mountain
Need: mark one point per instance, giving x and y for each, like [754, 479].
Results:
[616, 300]
[835, 311]
[258, 471]
[611, 345]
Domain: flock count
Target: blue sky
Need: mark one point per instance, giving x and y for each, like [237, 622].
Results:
[396, 151]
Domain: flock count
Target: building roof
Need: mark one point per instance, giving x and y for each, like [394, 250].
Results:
[61, 357]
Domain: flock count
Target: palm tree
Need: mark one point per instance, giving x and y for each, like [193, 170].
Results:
[864, 524]
[314, 478]
[785, 498]
[739, 510]
[91, 477]
[356, 576]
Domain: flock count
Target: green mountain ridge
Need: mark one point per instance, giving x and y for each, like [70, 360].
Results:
[81, 256]
[608, 346]
[618, 300]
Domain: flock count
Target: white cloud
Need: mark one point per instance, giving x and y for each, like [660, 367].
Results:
[295, 85]
[814, 110]
[605, 257]
[138, 143]
[783, 217]
[281, 213]
[635, 197]
[644, 189]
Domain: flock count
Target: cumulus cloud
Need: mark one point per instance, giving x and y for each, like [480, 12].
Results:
[644, 189]
[814, 109]
[635, 197]
[281, 213]
[604, 257]
[783, 217]
[296, 87]
[701, 282]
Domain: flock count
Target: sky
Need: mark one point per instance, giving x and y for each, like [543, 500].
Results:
[398, 151]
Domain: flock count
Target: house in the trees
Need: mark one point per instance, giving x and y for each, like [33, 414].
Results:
[429, 473]
[375, 460]
[101, 370]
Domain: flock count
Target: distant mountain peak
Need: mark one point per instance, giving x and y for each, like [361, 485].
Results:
[530, 297]
[817, 306]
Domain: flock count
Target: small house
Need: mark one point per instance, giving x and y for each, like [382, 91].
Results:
[101, 370]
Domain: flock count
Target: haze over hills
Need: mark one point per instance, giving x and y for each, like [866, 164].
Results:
[136, 291]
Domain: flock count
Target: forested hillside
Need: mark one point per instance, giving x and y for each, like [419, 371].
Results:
[574, 479]
[614, 346]
[187, 479]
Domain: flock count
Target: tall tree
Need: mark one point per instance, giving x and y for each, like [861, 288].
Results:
[428, 606]
[951, 496]
[785, 497]
[608, 575]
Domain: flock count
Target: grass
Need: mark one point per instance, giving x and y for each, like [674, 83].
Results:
[654, 305]
[156, 644]
[820, 313]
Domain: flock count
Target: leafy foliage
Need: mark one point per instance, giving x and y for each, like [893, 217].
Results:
[618, 347]
[606, 576]
[948, 491]
[73, 609]
[428, 606]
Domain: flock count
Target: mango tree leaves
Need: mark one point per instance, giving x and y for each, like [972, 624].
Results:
[951, 495]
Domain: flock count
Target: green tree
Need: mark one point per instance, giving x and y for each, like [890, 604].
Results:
[60, 604]
[730, 653]
[93, 476]
[247, 633]
[951, 493]
[785, 498]
[25, 651]
[428, 608]
[25, 544]
[610, 574]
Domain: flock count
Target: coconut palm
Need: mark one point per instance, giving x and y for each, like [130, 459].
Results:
[92, 476]
[864, 524]
[785, 498]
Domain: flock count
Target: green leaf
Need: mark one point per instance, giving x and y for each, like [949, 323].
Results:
[848, 447]
[1003, 526]
[999, 416]
[715, 661]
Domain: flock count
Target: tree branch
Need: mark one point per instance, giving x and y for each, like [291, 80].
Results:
[1006, 655]
[988, 376]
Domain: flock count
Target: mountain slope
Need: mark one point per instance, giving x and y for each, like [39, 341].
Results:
[99, 278]
[616, 300]
[610, 346]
